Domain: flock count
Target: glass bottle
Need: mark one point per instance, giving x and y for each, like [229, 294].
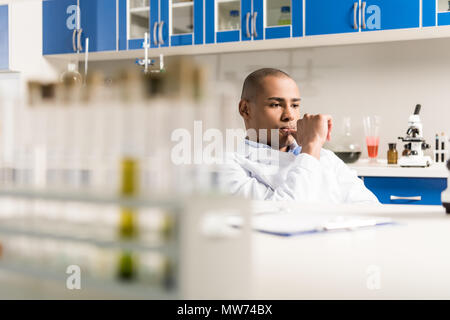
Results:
[285, 17]
[234, 22]
[392, 154]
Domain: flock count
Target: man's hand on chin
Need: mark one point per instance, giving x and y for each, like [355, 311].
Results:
[312, 132]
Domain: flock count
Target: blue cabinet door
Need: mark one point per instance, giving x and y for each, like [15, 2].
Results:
[99, 24]
[164, 22]
[4, 38]
[251, 17]
[331, 16]
[429, 13]
[393, 190]
[389, 14]
[59, 21]
[213, 34]
[295, 29]
[154, 23]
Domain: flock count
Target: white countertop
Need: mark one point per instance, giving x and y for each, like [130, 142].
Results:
[409, 260]
[364, 168]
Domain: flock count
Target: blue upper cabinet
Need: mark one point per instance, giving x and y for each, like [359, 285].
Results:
[98, 20]
[429, 13]
[246, 20]
[443, 12]
[331, 16]
[167, 22]
[389, 14]
[4, 38]
[59, 26]
[224, 20]
[67, 24]
[284, 19]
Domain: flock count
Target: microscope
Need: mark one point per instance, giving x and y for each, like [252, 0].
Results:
[413, 155]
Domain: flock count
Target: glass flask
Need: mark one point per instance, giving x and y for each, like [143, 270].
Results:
[345, 146]
[71, 76]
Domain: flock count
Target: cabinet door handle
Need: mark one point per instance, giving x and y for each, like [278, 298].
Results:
[355, 22]
[155, 40]
[74, 46]
[161, 40]
[255, 34]
[363, 9]
[413, 198]
[247, 18]
[80, 46]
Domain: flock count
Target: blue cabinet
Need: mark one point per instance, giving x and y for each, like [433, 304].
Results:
[388, 14]
[277, 23]
[4, 38]
[344, 16]
[249, 20]
[159, 19]
[59, 24]
[394, 190]
[67, 23]
[98, 19]
[331, 16]
[227, 21]
[168, 23]
[428, 13]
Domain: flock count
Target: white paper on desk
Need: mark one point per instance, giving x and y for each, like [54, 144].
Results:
[288, 224]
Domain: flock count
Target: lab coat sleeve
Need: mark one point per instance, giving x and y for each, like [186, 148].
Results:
[302, 183]
[353, 187]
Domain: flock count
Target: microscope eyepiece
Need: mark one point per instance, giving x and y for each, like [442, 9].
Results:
[417, 109]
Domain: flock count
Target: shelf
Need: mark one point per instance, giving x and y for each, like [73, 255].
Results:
[139, 10]
[227, 1]
[112, 289]
[167, 249]
[86, 197]
[182, 4]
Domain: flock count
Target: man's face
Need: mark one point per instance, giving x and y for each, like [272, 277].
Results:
[275, 106]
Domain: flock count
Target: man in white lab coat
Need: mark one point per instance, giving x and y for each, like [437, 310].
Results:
[293, 166]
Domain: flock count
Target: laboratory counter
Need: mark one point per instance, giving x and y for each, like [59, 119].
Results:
[380, 168]
[406, 260]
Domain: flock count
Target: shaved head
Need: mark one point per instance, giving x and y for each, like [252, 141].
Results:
[252, 84]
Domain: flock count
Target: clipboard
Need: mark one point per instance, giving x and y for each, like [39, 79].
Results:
[294, 224]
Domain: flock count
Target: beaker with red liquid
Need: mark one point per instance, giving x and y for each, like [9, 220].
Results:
[372, 132]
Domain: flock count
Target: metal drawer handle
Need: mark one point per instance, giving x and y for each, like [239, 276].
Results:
[363, 9]
[161, 40]
[155, 40]
[355, 23]
[73, 40]
[414, 198]
[255, 34]
[246, 25]
[80, 46]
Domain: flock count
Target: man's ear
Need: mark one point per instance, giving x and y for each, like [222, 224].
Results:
[244, 109]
